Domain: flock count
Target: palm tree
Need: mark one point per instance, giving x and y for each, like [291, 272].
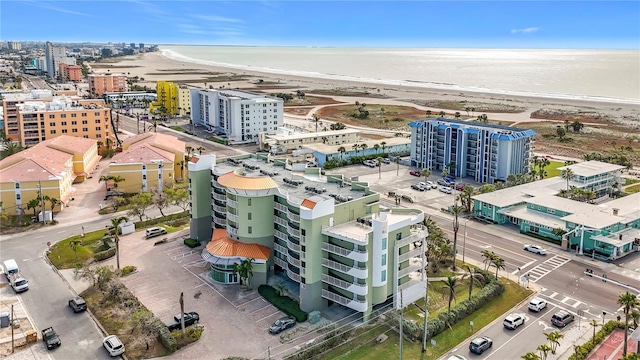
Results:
[189, 150]
[116, 236]
[380, 162]
[116, 180]
[456, 226]
[342, 150]
[106, 179]
[383, 144]
[473, 275]
[498, 262]
[441, 113]
[595, 324]
[428, 113]
[356, 147]
[530, 356]
[449, 289]
[200, 148]
[457, 115]
[376, 147]
[567, 174]
[245, 270]
[53, 202]
[364, 148]
[488, 257]
[554, 339]
[33, 204]
[74, 246]
[426, 173]
[628, 301]
[316, 119]
[544, 350]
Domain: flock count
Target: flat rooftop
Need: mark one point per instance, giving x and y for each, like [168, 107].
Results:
[591, 168]
[521, 193]
[332, 149]
[305, 135]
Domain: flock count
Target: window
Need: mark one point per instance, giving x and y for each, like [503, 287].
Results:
[384, 260]
[51, 116]
[97, 113]
[249, 202]
[53, 131]
[98, 128]
[85, 129]
[17, 196]
[84, 122]
[52, 124]
[249, 230]
[17, 185]
[383, 275]
[64, 123]
[64, 131]
[144, 166]
[74, 122]
[97, 121]
[98, 136]
[85, 136]
[398, 236]
[83, 114]
[249, 216]
[384, 243]
[144, 177]
[63, 116]
[74, 115]
[74, 130]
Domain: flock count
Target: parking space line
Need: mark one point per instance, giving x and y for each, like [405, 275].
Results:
[255, 311]
[268, 316]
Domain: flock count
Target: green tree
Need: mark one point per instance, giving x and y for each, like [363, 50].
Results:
[33, 204]
[178, 197]
[544, 350]
[498, 262]
[577, 126]
[456, 210]
[342, 150]
[74, 243]
[376, 147]
[567, 174]
[380, 162]
[316, 119]
[116, 236]
[397, 161]
[426, 173]
[52, 203]
[429, 113]
[465, 198]
[474, 277]
[487, 258]
[200, 149]
[560, 132]
[116, 180]
[160, 200]
[105, 179]
[383, 144]
[595, 324]
[139, 203]
[530, 356]
[629, 302]
[553, 338]
[449, 289]
[245, 271]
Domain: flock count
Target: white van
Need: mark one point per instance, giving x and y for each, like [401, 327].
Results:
[155, 231]
[10, 267]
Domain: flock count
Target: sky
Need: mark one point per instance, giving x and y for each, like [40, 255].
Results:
[357, 23]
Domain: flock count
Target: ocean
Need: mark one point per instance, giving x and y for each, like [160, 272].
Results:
[594, 75]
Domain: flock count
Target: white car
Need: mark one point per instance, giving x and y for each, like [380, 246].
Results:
[513, 321]
[432, 184]
[535, 249]
[536, 304]
[445, 189]
[456, 357]
[114, 346]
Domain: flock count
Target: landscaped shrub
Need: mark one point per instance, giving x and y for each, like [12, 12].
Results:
[127, 270]
[164, 219]
[99, 256]
[283, 303]
[192, 243]
[164, 336]
[586, 348]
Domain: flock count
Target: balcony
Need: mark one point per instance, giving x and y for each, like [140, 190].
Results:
[280, 207]
[294, 217]
[416, 252]
[294, 232]
[293, 246]
[279, 248]
[357, 305]
[232, 203]
[406, 271]
[220, 209]
[418, 233]
[232, 217]
[358, 289]
[293, 261]
[232, 231]
[293, 276]
[282, 263]
[220, 221]
[345, 235]
[219, 197]
[355, 255]
[280, 221]
[279, 234]
[356, 271]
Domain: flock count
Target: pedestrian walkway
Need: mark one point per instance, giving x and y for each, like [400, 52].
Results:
[541, 270]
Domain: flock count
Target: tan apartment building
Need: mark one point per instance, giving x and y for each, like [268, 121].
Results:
[102, 83]
[184, 101]
[149, 161]
[10, 102]
[286, 141]
[53, 166]
[70, 72]
[39, 120]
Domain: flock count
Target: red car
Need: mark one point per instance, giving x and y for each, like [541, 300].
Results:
[414, 172]
[460, 186]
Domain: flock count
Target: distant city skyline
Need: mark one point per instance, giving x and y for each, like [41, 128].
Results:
[441, 24]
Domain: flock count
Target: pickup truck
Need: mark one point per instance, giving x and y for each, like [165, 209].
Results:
[51, 338]
[190, 318]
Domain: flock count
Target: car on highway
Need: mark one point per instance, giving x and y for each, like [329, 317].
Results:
[536, 304]
[114, 346]
[77, 304]
[537, 249]
[512, 321]
[414, 172]
[562, 318]
[444, 189]
[418, 187]
[51, 338]
[480, 344]
[282, 324]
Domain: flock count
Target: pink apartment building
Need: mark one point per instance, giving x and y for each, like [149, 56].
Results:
[102, 83]
[70, 72]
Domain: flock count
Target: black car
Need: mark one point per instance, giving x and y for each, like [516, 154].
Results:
[282, 324]
[480, 344]
[190, 318]
[51, 338]
[77, 304]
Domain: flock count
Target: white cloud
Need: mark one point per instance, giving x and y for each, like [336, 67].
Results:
[51, 6]
[214, 18]
[528, 30]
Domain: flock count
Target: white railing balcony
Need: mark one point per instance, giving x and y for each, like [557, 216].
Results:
[293, 246]
[280, 207]
[293, 261]
[279, 248]
[293, 276]
[406, 271]
[413, 253]
[280, 221]
[232, 217]
[356, 255]
[232, 203]
[220, 209]
[412, 282]
[294, 217]
[359, 289]
[282, 263]
[231, 230]
[220, 221]
[294, 232]
[280, 234]
[415, 236]
[357, 305]
[345, 235]
[358, 272]
[220, 197]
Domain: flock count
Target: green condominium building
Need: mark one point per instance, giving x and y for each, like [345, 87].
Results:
[327, 234]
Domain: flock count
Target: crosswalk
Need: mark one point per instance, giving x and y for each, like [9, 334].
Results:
[541, 270]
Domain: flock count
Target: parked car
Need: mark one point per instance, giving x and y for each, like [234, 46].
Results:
[114, 346]
[480, 344]
[77, 304]
[51, 338]
[190, 318]
[414, 172]
[512, 321]
[418, 187]
[535, 249]
[456, 357]
[460, 186]
[443, 182]
[536, 304]
[562, 318]
[387, 161]
[425, 185]
[155, 231]
[431, 184]
[446, 190]
[450, 179]
[282, 324]
[18, 282]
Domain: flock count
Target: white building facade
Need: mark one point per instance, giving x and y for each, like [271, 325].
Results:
[240, 115]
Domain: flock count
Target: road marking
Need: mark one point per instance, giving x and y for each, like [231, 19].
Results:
[513, 337]
[38, 237]
[60, 232]
[544, 325]
[543, 269]
[268, 316]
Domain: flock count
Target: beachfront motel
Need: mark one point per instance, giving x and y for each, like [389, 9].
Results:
[607, 230]
[326, 238]
[484, 152]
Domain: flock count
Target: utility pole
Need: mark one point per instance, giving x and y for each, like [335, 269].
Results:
[401, 325]
[181, 309]
[12, 338]
[44, 217]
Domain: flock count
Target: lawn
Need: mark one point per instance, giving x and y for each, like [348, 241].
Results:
[632, 189]
[552, 168]
[364, 347]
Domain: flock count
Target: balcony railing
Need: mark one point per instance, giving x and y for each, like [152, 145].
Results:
[356, 255]
[220, 209]
[220, 197]
[358, 289]
[282, 263]
[293, 246]
[232, 203]
[293, 261]
[356, 271]
[232, 217]
[294, 217]
[409, 270]
[294, 232]
[280, 248]
[413, 253]
[232, 230]
[358, 305]
[220, 221]
[293, 276]
[281, 207]
[280, 221]
[280, 234]
[344, 235]
[418, 232]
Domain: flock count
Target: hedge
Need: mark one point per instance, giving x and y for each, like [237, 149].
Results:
[163, 219]
[283, 303]
[586, 348]
[102, 255]
[192, 243]
[164, 336]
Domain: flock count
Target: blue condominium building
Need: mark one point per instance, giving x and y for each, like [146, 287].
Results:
[487, 153]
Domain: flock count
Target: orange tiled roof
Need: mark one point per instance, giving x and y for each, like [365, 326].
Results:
[309, 204]
[222, 246]
[235, 181]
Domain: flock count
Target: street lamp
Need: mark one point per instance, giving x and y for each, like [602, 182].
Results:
[464, 240]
